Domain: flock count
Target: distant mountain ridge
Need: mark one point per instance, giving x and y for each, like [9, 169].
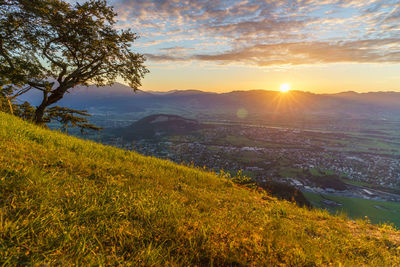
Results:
[378, 98]
[121, 99]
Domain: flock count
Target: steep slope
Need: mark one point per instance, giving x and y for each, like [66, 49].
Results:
[66, 201]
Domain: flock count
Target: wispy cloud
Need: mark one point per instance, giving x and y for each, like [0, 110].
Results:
[266, 33]
[365, 51]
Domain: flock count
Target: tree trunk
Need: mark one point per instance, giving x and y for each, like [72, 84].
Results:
[39, 113]
[56, 95]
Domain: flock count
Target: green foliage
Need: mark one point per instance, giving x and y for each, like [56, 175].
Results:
[65, 201]
[241, 179]
[53, 46]
[68, 118]
[5, 103]
[25, 111]
[9, 105]
[65, 116]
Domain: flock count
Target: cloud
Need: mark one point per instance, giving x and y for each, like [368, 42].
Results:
[164, 57]
[364, 51]
[177, 49]
[266, 32]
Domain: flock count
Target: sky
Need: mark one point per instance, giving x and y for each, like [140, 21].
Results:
[322, 46]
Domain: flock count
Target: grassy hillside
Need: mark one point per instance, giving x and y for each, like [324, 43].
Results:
[377, 211]
[68, 201]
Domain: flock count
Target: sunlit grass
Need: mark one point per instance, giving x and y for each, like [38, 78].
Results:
[65, 201]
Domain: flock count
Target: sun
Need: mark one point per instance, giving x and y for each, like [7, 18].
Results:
[285, 87]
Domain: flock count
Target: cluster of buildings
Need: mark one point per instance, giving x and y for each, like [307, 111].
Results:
[265, 152]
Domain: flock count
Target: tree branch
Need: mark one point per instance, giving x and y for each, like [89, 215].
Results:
[46, 47]
[21, 92]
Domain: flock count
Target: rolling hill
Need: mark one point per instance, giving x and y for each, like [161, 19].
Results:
[66, 201]
[156, 125]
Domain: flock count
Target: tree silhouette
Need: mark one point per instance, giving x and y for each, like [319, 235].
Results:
[53, 46]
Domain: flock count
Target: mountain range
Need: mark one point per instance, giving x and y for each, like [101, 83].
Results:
[119, 98]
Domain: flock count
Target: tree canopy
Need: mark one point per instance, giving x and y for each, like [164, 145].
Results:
[53, 46]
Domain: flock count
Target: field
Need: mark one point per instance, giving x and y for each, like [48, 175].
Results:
[378, 212]
[65, 201]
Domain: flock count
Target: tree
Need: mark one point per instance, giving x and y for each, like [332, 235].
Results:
[67, 117]
[53, 46]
